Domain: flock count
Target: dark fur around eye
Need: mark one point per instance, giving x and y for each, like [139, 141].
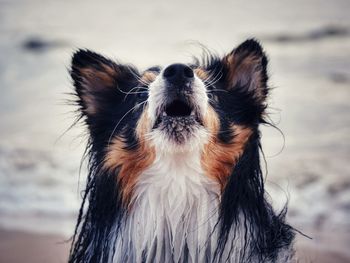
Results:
[142, 93]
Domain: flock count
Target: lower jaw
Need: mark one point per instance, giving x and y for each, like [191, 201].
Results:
[177, 122]
[170, 141]
[179, 128]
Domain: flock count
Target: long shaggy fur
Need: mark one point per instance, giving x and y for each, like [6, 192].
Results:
[175, 212]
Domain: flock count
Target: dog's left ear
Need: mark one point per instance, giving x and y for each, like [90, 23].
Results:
[245, 70]
[100, 83]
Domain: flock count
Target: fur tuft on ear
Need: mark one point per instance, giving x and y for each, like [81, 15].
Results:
[97, 80]
[92, 75]
[246, 70]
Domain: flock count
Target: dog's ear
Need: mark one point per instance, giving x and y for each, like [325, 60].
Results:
[245, 70]
[99, 81]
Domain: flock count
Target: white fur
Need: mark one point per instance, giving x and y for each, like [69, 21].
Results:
[164, 144]
[156, 99]
[175, 205]
[174, 202]
[157, 93]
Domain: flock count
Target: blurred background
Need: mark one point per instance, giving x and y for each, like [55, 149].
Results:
[308, 43]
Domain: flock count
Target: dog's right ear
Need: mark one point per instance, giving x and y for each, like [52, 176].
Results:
[246, 70]
[99, 82]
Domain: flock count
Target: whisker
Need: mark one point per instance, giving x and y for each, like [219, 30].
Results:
[211, 79]
[210, 91]
[136, 92]
[215, 79]
[110, 137]
[130, 92]
[137, 77]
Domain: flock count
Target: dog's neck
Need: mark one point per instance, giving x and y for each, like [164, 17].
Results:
[174, 212]
[174, 216]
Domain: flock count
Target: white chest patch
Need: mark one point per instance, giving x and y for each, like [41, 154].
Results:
[174, 216]
[174, 213]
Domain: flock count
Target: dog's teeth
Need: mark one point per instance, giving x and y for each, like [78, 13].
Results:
[192, 113]
[164, 113]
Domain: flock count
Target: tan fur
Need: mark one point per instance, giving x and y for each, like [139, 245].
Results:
[97, 78]
[94, 80]
[218, 159]
[246, 71]
[130, 162]
[148, 77]
[90, 105]
[201, 73]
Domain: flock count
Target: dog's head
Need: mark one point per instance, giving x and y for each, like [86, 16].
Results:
[202, 115]
[209, 108]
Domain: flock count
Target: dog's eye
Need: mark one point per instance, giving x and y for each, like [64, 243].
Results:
[142, 93]
[212, 97]
[211, 94]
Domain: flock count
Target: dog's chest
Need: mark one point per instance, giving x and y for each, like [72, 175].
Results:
[174, 213]
[174, 218]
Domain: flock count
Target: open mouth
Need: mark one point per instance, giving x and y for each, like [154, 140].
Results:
[178, 108]
[178, 112]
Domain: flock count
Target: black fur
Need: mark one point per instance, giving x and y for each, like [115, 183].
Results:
[101, 211]
[245, 190]
[101, 208]
[245, 194]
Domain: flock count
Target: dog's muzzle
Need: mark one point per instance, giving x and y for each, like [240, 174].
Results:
[179, 111]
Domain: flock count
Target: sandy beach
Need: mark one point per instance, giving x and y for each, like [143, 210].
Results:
[24, 247]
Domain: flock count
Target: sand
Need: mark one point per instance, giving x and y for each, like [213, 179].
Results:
[22, 247]
[313, 254]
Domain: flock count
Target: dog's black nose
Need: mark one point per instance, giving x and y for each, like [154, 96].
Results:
[178, 73]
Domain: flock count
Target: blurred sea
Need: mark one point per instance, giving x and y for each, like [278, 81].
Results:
[308, 43]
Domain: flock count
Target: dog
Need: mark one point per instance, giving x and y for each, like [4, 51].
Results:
[174, 162]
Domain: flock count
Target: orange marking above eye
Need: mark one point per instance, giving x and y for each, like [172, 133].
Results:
[201, 73]
[148, 77]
